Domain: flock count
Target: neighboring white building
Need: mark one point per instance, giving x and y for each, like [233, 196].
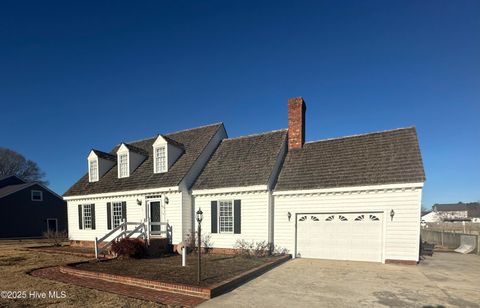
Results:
[431, 217]
[350, 198]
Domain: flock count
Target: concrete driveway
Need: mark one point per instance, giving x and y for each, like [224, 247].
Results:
[444, 280]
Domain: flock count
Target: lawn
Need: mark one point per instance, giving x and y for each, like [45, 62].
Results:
[15, 261]
[215, 268]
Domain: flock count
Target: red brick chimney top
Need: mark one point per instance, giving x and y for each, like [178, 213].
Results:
[296, 123]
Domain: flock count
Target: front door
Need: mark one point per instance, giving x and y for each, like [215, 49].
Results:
[52, 225]
[155, 217]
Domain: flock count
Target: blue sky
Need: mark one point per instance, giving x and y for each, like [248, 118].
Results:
[81, 75]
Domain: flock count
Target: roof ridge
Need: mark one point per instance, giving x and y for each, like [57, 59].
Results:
[364, 134]
[256, 134]
[171, 133]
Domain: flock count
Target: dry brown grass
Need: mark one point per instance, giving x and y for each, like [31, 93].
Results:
[15, 262]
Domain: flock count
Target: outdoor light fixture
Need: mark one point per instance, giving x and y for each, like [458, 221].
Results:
[289, 215]
[199, 220]
[392, 213]
[139, 202]
[199, 216]
[166, 200]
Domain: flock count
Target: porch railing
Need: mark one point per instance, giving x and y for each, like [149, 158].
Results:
[122, 231]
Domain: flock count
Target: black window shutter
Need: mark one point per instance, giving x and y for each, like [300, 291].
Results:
[124, 211]
[237, 217]
[213, 211]
[80, 222]
[93, 216]
[109, 215]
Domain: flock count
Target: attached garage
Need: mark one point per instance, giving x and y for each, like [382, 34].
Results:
[340, 236]
[352, 198]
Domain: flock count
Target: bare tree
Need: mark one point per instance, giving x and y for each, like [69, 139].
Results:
[13, 163]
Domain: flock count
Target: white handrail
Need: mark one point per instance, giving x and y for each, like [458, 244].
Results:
[141, 228]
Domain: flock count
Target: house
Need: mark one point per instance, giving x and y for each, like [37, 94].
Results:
[141, 181]
[29, 209]
[349, 198]
[457, 211]
[430, 216]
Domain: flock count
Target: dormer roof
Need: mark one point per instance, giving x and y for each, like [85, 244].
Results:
[134, 149]
[104, 155]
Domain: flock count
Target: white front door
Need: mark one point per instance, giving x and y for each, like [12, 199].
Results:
[340, 236]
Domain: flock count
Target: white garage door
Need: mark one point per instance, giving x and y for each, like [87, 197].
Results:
[340, 236]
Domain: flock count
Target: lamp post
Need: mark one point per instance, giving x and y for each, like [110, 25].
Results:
[199, 220]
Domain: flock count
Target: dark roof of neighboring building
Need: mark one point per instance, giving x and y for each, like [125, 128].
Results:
[10, 180]
[194, 140]
[472, 208]
[105, 155]
[7, 190]
[387, 157]
[243, 161]
[453, 207]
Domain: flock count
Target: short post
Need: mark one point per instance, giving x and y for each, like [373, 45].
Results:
[96, 248]
[184, 256]
[199, 220]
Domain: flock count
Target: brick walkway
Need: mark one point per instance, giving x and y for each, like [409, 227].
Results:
[162, 297]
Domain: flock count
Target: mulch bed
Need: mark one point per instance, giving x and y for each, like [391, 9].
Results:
[215, 268]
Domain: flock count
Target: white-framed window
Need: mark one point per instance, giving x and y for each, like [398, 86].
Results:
[116, 214]
[225, 216]
[160, 159]
[123, 165]
[36, 195]
[87, 216]
[93, 168]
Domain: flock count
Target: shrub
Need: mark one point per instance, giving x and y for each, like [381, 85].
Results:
[258, 249]
[191, 242]
[129, 248]
[243, 248]
[56, 237]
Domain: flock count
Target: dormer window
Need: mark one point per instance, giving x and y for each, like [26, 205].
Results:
[123, 165]
[93, 170]
[160, 159]
[99, 163]
[166, 151]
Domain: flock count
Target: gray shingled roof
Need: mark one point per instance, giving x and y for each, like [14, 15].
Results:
[194, 141]
[242, 161]
[387, 157]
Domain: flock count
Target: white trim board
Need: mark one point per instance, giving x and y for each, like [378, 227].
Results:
[125, 193]
[229, 190]
[347, 189]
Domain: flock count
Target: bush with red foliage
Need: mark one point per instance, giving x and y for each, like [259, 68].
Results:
[129, 248]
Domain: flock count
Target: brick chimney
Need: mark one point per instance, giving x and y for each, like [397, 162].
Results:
[296, 123]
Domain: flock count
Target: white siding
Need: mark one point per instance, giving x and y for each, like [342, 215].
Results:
[135, 213]
[401, 235]
[254, 222]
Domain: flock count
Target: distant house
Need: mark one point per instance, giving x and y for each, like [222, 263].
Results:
[430, 216]
[457, 211]
[29, 209]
